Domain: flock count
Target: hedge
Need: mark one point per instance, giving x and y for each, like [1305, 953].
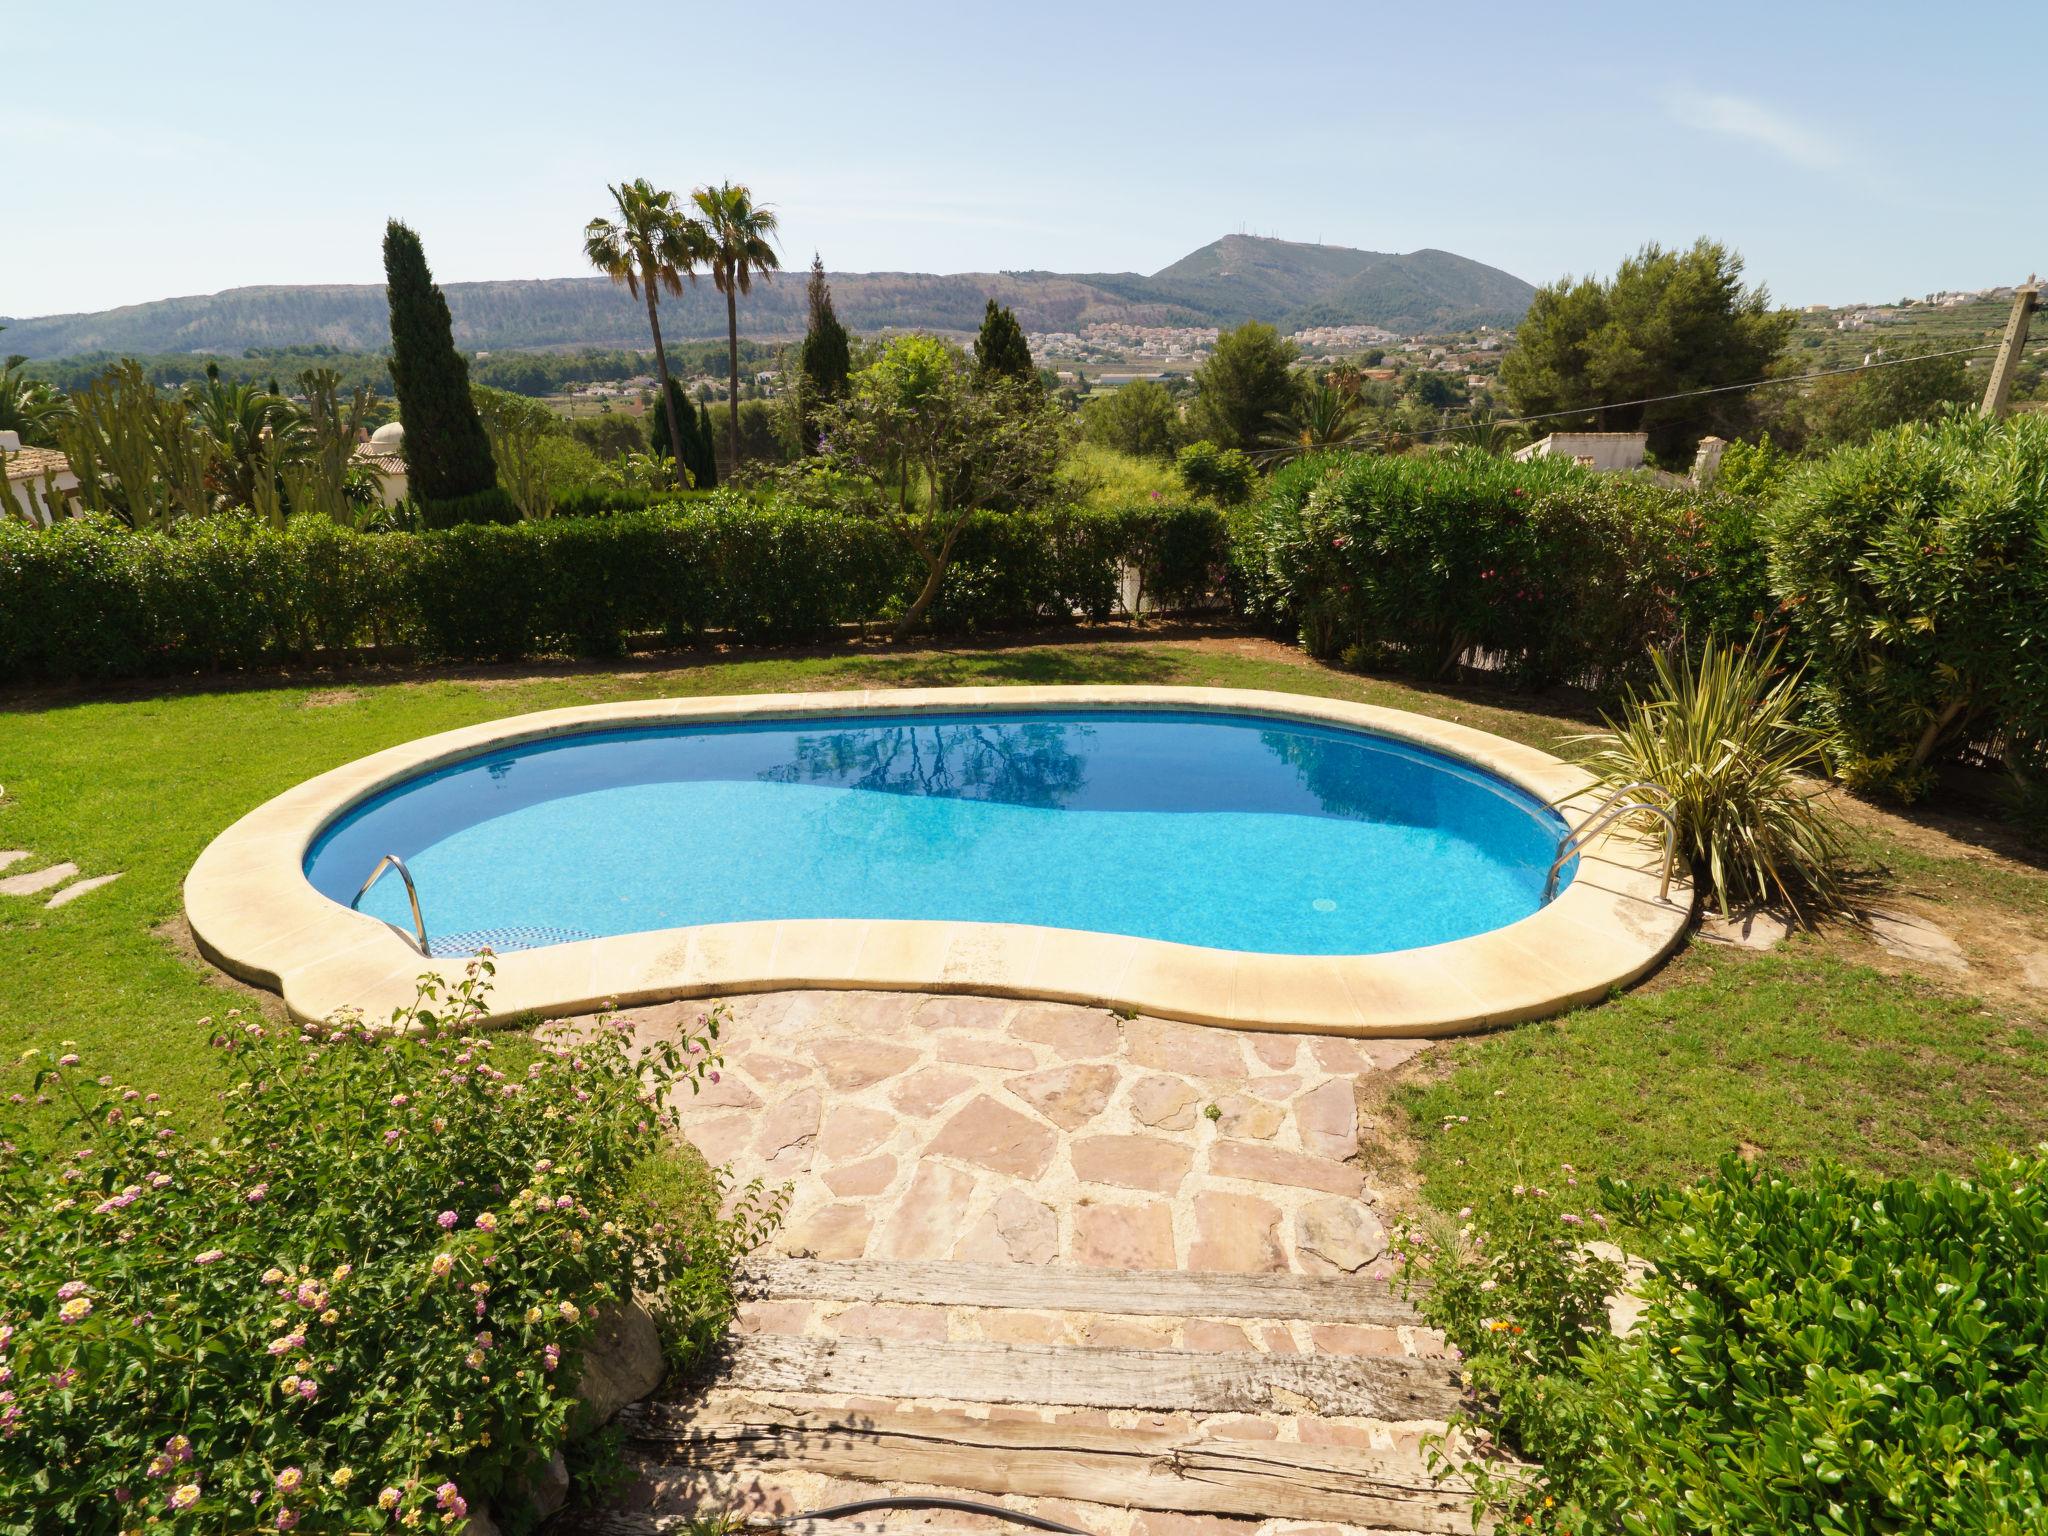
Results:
[87, 599]
[1918, 568]
[1550, 572]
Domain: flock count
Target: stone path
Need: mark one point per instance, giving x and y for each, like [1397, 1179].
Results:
[37, 881]
[1059, 1143]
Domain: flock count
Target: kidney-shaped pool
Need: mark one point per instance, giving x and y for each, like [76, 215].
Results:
[1224, 856]
[1228, 831]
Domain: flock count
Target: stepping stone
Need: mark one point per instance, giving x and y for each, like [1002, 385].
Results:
[37, 881]
[78, 888]
[1754, 928]
[1915, 938]
[12, 856]
[2034, 970]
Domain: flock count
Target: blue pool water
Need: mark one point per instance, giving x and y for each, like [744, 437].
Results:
[1232, 831]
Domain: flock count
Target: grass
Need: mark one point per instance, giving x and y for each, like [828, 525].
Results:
[1787, 1057]
[1791, 1055]
[1103, 477]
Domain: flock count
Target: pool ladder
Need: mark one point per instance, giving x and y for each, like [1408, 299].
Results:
[1617, 804]
[393, 861]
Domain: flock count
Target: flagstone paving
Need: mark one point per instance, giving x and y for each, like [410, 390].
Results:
[922, 1127]
[983, 1131]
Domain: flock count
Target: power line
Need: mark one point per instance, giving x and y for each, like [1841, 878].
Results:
[1717, 389]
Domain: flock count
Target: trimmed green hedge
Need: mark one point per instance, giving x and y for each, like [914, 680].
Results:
[1556, 573]
[90, 600]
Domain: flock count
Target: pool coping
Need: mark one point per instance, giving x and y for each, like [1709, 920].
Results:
[254, 913]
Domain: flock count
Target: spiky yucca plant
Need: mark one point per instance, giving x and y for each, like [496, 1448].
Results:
[1720, 732]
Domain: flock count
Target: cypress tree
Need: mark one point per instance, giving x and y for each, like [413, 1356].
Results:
[699, 453]
[827, 356]
[447, 455]
[1000, 351]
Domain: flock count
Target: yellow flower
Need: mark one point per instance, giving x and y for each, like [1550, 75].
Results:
[534, 1314]
[343, 1476]
[330, 1317]
[443, 1262]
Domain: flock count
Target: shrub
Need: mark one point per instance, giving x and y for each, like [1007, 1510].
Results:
[1829, 1352]
[1720, 731]
[1225, 476]
[89, 599]
[363, 1299]
[1915, 572]
[1547, 571]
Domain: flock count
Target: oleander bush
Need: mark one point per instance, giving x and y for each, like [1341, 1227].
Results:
[91, 599]
[1915, 568]
[1547, 571]
[1826, 1352]
[361, 1303]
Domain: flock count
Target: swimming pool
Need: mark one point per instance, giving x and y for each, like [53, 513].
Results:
[1229, 831]
[1223, 856]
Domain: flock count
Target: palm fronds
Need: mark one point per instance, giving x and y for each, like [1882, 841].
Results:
[1720, 731]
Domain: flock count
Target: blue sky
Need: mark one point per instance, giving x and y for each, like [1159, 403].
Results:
[1849, 151]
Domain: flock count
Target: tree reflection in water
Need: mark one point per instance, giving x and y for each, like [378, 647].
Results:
[1011, 763]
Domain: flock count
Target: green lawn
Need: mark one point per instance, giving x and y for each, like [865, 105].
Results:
[1791, 1055]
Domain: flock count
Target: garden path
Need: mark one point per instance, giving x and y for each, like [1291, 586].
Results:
[1034, 1254]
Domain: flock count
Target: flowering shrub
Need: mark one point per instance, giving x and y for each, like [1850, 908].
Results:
[1524, 1301]
[360, 1304]
[1829, 1353]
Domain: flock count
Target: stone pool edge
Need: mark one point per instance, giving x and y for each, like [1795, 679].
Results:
[255, 915]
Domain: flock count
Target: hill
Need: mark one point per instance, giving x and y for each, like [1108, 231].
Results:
[1237, 278]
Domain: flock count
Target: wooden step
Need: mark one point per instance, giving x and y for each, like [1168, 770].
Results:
[1124, 1468]
[1155, 1380]
[1129, 1292]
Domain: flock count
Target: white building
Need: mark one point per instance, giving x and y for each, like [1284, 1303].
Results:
[384, 457]
[1607, 452]
[32, 477]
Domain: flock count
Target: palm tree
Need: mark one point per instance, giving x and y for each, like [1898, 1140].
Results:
[28, 406]
[736, 235]
[651, 245]
[252, 429]
[1326, 420]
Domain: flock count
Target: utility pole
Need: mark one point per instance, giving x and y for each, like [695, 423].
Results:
[2015, 342]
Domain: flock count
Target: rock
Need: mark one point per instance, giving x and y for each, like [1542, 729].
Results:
[37, 880]
[833, 1232]
[1276, 1165]
[1626, 1306]
[974, 1051]
[1124, 1236]
[1135, 1162]
[480, 1522]
[1067, 1096]
[78, 888]
[870, 1177]
[1746, 928]
[1016, 1230]
[1344, 1234]
[1914, 938]
[621, 1363]
[545, 1489]
[1328, 1119]
[1236, 1234]
[998, 1139]
[1165, 1103]
[791, 1123]
[928, 1215]
[928, 1090]
[2034, 971]
[852, 1130]
[1276, 1051]
[852, 1063]
[1074, 1033]
[1247, 1118]
[1193, 1048]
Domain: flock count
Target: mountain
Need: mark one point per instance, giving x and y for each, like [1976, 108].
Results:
[1237, 278]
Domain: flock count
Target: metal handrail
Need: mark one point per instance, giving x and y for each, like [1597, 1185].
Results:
[393, 861]
[1610, 810]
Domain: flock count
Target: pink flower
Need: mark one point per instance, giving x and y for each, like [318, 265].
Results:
[447, 1220]
[68, 1060]
[391, 1135]
[487, 1222]
[256, 1193]
[69, 1289]
[184, 1496]
[1569, 1219]
[286, 1519]
[308, 1390]
[289, 1479]
[550, 1357]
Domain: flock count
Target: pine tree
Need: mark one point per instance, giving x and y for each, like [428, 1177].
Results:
[1000, 351]
[827, 356]
[447, 455]
[700, 444]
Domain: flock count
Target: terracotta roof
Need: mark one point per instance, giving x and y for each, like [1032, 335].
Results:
[34, 463]
[379, 463]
